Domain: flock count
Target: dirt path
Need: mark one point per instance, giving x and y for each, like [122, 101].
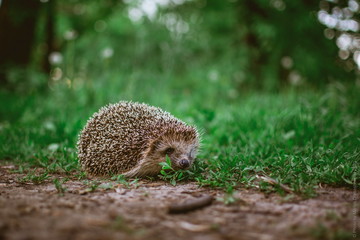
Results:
[29, 211]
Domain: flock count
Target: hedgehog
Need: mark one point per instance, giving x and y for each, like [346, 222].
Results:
[132, 138]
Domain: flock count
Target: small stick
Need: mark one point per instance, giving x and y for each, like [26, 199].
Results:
[274, 182]
[190, 205]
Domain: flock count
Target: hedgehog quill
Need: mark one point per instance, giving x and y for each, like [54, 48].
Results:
[132, 138]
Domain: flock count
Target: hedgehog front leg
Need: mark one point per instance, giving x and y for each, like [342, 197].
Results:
[133, 172]
[144, 168]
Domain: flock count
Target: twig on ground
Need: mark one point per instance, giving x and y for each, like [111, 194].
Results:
[191, 204]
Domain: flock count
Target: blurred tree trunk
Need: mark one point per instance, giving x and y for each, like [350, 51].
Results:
[248, 12]
[50, 34]
[17, 31]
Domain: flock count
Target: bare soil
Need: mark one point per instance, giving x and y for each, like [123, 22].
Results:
[140, 211]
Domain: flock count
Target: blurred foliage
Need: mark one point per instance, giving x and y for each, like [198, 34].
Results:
[261, 44]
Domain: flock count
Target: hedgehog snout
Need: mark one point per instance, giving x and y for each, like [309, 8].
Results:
[184, 163]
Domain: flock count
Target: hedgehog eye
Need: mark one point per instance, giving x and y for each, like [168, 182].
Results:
[169, 151]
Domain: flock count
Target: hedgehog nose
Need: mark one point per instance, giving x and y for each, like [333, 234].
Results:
[184, 163]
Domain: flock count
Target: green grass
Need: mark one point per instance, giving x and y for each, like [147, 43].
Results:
[300, 138]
